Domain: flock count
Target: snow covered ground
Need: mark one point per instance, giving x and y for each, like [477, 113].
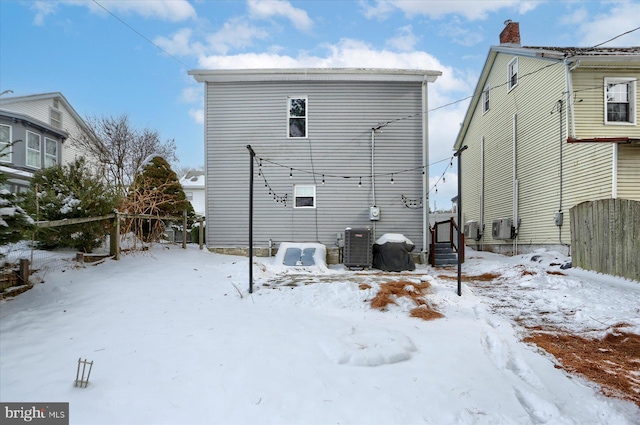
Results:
[177, 339]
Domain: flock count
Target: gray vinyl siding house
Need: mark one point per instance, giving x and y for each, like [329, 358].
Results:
[342, 140]
[26, 146]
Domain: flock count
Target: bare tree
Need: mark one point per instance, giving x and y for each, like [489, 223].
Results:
[120, 150]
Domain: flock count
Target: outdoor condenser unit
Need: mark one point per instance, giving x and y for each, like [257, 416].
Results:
[357, 248]
[502, 229]
[471, 230]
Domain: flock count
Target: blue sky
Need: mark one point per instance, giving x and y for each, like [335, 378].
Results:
[113, 57]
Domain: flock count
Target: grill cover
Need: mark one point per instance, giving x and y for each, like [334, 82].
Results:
[393, 254]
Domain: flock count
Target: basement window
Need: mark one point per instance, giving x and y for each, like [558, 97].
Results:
[620, 100]
[304, 196]
[297, 117]
[513, 73]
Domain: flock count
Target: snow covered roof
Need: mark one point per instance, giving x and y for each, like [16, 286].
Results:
[193, 179]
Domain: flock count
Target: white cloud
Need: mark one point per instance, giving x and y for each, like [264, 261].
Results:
[165, 10]
[471, 10]
[236, 33]
[42, 10]
[180, 44]
[405, 40]
[264, 9]
[621, 17]
[460, 33]
[191, 94]
[197, 115]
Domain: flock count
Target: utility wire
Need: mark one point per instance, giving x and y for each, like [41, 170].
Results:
[617, 36]
[140, 34]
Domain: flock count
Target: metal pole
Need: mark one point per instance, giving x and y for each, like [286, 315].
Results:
[459, 155]
[252, 154]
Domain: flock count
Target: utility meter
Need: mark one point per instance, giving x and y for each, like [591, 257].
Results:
[374, 213]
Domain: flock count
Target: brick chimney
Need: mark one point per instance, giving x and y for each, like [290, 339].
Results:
[511, 33]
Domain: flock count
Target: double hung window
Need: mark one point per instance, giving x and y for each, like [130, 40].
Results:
[50, 152]
[297, 117]
[513, 73]
[34, 158]
[305, 196]
[620, 100]
[5, 143]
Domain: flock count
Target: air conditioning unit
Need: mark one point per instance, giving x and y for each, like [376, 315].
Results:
[503, 229]
[472, 230]
[357, 248]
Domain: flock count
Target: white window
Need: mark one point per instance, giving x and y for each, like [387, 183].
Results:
[33, 150]
[620, 100]
[297, 117]
[485, 98]
[305, 196]
[5, 143]
[50, 152]
[513, 73]
[56, 103]
[189, 196]
[55, 118]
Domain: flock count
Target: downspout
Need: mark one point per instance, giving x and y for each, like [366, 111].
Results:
[482, 190]
[569, 87]
[426, 234]
[515, 184]
[373, 175]
[614, 172]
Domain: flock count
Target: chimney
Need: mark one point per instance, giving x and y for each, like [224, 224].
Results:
[511, 33]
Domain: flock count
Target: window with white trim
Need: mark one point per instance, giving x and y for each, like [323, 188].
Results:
[5, 143]
[50, 152]
[620, 100]
[55, 118]
[485, 98]
[189, 195]
[297, 117]
[513, 73]
[304, 196]
[33, 150]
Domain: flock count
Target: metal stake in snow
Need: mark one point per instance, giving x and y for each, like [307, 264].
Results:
[459, 155]
[252, 154]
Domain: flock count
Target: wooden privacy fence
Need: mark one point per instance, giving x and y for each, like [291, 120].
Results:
[114, 249]
[605, 237]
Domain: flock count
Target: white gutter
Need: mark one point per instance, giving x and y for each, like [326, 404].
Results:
[426, 234]
[481, 225]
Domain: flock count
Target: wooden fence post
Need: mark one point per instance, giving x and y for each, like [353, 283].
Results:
[24, 271]
[184, 229]
[114, 249]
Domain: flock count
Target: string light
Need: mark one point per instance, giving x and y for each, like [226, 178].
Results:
[291, 173]
[323, 179]
[391, 178]
[360, 182]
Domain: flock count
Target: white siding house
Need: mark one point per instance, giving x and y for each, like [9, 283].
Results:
[547, 129]
[330, 144]
[193, 184]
